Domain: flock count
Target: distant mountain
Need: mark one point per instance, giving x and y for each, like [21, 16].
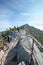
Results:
[38, 34]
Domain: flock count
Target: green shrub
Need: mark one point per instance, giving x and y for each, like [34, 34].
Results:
[1, 41]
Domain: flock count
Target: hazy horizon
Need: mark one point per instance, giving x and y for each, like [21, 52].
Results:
[20, 12]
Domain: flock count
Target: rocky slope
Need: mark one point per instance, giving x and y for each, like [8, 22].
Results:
[38, 34]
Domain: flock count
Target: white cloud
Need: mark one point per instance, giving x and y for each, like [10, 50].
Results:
[37, 23]
[5, 19]
[5, 14]
[40, 27]
[25, 14]
[4, 24]
[36, 20]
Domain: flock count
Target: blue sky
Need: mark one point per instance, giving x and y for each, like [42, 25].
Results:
[19, 12]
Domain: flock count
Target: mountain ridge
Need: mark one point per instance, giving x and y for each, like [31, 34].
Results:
[37, 33]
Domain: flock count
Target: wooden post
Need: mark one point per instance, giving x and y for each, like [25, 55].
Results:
[32, 53]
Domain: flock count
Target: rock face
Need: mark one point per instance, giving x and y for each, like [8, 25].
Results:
[22, 32]
[16, 52]
[1, 54]
[22, 63]
[20, 51]
[10, 53]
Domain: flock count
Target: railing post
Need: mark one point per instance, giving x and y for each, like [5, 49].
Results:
[32, 52]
